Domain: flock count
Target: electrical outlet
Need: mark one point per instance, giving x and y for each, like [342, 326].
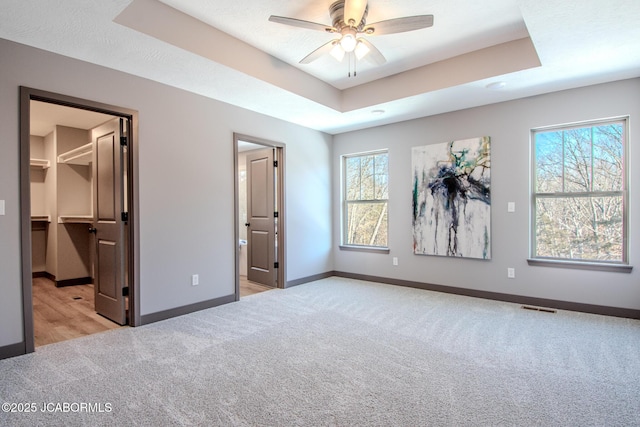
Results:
[395, 260]
[1, 207]
[511, 206]
[511, 273]
[195, 280]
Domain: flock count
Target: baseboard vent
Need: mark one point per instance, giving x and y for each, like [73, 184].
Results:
[544, 310]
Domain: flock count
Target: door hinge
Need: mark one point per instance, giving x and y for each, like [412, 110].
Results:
[125, 216]
[123, 141]
[276, 264]
[125, 291]
[275, 163]
[275, 214]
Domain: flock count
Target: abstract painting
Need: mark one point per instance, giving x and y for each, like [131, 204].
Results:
[452, 198]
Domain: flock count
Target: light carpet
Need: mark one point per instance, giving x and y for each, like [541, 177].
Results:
[339, 352]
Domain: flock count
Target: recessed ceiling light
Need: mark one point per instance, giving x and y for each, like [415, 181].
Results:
[496, 85]
[377, 112]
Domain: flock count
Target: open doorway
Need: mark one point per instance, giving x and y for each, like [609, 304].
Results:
[77, 176]
[259, 202]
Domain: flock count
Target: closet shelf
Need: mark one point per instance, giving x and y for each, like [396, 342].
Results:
[40, 218]
[40, 163]
[78, 156]
[75, 219]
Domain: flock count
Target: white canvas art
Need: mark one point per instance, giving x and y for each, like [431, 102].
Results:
[452, 198]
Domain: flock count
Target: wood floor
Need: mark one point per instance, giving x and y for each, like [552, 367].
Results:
[250, 288]
[61, 314]
[64, 313]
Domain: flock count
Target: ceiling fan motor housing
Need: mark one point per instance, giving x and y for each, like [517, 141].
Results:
[336, 11]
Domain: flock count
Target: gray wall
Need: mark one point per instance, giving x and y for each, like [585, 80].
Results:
[185, 182]
[508, 124]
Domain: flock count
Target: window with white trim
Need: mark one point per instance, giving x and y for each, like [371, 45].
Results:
[365, 199]
[579, 194]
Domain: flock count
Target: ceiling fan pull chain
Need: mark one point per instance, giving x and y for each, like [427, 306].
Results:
[352, 57]
[355, 66]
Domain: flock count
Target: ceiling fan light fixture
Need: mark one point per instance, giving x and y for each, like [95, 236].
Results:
[337, 51]
[348, 42]
[361, 49]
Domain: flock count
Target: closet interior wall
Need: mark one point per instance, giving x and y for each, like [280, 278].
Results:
[61, 206]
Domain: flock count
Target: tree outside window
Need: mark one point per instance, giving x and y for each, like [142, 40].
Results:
[366, 196]
[579, 193]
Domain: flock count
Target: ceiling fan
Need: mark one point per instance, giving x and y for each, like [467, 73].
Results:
[349, 22]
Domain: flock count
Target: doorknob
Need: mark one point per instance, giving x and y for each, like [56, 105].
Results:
[92, 230]
[246, 224]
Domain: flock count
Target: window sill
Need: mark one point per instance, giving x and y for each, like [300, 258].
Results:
[615, 268]
[372, 249]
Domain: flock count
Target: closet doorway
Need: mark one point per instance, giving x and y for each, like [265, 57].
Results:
[76, 190]
[259, 201]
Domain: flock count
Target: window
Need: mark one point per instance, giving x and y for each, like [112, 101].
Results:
[366, 196]
[579, 193]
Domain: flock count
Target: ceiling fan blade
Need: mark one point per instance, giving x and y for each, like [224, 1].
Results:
[400, 25]
[322, 50]
[374, 55]
[354, 10]
[302, 24]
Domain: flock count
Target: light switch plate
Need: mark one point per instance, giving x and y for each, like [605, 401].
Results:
[511, 206]
[1, 207]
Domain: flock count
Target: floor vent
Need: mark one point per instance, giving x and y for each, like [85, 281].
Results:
[544, 310]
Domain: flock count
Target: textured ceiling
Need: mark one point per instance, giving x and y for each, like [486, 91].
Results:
[534, 46]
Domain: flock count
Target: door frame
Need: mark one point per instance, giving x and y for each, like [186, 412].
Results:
[133, 249]
[280, 204]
